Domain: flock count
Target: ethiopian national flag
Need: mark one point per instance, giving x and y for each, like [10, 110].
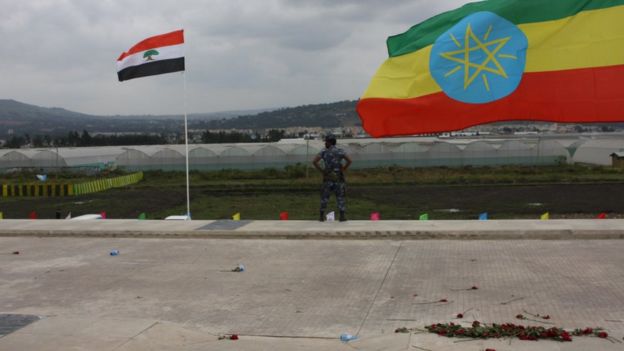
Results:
[498, 60]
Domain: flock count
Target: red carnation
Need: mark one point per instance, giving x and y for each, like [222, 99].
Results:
[234, 337]
[603, 335]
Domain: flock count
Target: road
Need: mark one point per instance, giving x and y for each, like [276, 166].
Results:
[163, 294]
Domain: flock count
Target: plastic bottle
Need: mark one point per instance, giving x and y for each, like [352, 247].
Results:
[344, 337]
[114, 252]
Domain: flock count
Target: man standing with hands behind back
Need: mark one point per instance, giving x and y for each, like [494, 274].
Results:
[333, 175]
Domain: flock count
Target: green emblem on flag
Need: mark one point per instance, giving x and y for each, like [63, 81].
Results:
[149, 53]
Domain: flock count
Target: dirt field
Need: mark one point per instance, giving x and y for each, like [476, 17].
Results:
[580, 200]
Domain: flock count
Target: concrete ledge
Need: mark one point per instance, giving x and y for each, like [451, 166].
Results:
[359, 230]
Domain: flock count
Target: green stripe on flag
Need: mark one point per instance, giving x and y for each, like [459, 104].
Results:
[515, 11]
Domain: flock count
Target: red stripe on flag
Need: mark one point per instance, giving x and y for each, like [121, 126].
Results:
[157, 41]
[591, 95]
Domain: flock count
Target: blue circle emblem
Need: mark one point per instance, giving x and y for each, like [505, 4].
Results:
[479, 60]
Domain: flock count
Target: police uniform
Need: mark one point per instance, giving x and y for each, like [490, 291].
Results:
[333, 177]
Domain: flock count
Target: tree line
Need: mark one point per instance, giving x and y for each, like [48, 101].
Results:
[77, 139]
[272, 135]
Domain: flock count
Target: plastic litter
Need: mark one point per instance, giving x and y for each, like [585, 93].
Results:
[344, 337]
[330, 217]
[239, 268]
[114, 253]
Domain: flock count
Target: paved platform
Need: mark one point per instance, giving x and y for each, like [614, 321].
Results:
[398, 230]
[181, 294]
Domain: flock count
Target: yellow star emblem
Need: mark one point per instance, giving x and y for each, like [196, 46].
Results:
[491, 62]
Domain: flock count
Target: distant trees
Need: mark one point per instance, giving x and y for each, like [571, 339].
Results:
[221, 137]
[15, 142]
[274, 135]
[74, 138]
[209, 137]
[84, 138]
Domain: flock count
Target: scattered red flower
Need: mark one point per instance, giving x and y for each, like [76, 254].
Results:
[234, 337]
[533, 333]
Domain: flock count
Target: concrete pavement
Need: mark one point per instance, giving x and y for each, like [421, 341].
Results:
[180, 294]
[398, 230]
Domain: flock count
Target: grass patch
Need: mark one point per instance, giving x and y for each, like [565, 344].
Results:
[395, 192]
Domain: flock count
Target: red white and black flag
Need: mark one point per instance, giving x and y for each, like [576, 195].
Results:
[155, 55]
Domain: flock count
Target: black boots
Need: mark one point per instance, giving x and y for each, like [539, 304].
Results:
[342, 216]
[322, 217]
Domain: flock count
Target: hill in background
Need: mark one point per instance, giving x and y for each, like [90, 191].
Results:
[331, 115]
[20, 118]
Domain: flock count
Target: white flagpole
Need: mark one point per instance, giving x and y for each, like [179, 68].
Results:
[188, 197]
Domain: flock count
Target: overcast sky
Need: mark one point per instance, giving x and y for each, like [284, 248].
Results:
[240, 54]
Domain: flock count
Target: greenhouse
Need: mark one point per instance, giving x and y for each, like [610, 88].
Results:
[366, 153]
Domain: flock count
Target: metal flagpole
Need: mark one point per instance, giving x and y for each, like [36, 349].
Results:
[188, 197]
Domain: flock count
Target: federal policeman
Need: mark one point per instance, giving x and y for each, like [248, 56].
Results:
[333, 175]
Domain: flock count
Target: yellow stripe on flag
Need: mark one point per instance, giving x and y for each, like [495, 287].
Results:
[545, 216]
[587, 40]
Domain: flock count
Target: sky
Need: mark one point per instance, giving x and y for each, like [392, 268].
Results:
[240, 54]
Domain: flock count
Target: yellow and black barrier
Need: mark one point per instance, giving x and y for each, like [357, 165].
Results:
[37, 190]
[68, 189]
